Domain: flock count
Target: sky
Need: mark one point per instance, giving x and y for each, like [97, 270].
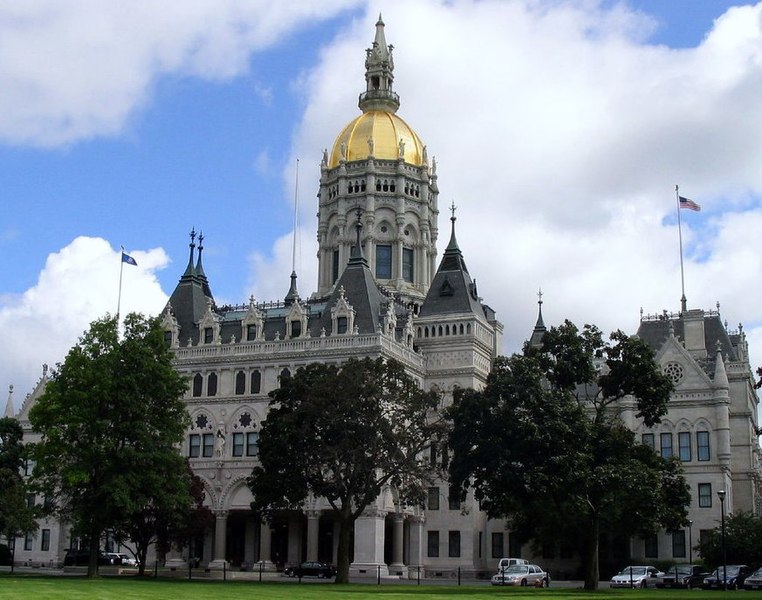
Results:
[560, 130]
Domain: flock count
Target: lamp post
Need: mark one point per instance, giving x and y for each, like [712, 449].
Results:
[690, 542]
[721, 496]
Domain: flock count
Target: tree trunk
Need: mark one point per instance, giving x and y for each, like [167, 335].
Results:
[95, 545]
[592, 573]
[342, 552]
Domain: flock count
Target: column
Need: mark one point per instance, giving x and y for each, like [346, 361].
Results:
[294, 555]
[220, 540]
[248, 548]
[398, 566]
[313, 529]
[416, 546]
[369, 545]
[265, 546]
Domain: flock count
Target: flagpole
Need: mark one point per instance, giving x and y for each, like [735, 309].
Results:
[119, 299]
[683, 300]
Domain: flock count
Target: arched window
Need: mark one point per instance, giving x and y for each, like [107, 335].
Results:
[211, 384]
[198, 383]
[240, 383]
[285, 374]
[245, 436]
[256, 382]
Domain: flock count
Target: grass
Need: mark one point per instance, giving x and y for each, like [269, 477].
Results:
[22, 587]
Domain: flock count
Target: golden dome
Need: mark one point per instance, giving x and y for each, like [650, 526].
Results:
[386, 130]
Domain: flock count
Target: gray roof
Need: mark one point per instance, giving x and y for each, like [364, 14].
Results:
[452, 290]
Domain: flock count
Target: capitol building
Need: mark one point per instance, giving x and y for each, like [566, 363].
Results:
[384, 291]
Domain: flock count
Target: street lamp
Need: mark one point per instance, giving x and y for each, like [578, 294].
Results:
[690, 542]
[721, 496]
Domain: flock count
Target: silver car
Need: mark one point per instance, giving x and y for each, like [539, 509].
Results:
[635, 576]
[523, 575]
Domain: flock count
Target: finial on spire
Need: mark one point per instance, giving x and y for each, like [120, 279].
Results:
[539, 296]
[453, 208]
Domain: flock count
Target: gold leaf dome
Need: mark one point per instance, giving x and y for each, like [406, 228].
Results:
[386, 130]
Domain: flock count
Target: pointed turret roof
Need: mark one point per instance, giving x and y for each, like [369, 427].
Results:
[189, 299]
[452, 289]
[293, 294]
[360, 289]
[539, 329]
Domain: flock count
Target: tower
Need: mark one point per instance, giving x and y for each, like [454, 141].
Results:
[379, 165]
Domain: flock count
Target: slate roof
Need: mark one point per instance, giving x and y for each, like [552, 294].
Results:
[452, 289]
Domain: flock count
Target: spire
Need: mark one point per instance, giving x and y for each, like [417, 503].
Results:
[379, 76]
[452, 259]
[539, 329]
[453, 245]
[357, 256]
[293, 293]
[10, 412]
[189, 271]
[720, 375]
[200, 268]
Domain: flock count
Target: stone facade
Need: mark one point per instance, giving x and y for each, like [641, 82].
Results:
[382, 294]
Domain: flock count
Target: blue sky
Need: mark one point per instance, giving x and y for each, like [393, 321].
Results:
[560, 130]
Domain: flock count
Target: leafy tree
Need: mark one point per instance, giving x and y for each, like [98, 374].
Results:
[343, 433]
[16, 517]
[190, 523]
[743, 541]
[110, 419]
[543, 445]
[162, 499]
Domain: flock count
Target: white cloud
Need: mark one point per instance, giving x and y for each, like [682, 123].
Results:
[78, 284]
[79, 69]
[561, 132]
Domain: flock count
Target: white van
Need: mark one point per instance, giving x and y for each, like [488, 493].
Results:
[509, 562]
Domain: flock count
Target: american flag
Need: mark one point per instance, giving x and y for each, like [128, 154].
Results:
[689, 204]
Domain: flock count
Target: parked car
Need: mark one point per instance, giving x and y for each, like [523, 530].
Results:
[682, 576]
[311, 569]
[736, 575]
[128, 561]
[636, 576]
[80, 558]
[522, 575]
[114, 558]
[753, 581]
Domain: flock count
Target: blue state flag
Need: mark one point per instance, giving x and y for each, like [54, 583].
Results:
[126, 258]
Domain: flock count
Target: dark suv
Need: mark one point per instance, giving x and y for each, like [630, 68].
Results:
[81, 558]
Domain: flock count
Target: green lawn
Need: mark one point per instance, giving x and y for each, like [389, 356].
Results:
[22, 587]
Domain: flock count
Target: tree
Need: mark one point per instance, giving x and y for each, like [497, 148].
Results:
[163, 499]
[543, 445]
[743, 541]
[190, 523]
[109, 420]
[16, 516]
[343, 433]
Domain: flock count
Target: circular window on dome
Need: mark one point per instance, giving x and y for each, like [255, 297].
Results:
[674, 371]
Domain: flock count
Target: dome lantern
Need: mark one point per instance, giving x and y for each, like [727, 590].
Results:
[379, 75]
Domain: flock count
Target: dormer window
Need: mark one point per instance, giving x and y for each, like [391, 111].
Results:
[341, 325]
[168, 339]
[251, 332]
[296, 329]
[208, 335]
